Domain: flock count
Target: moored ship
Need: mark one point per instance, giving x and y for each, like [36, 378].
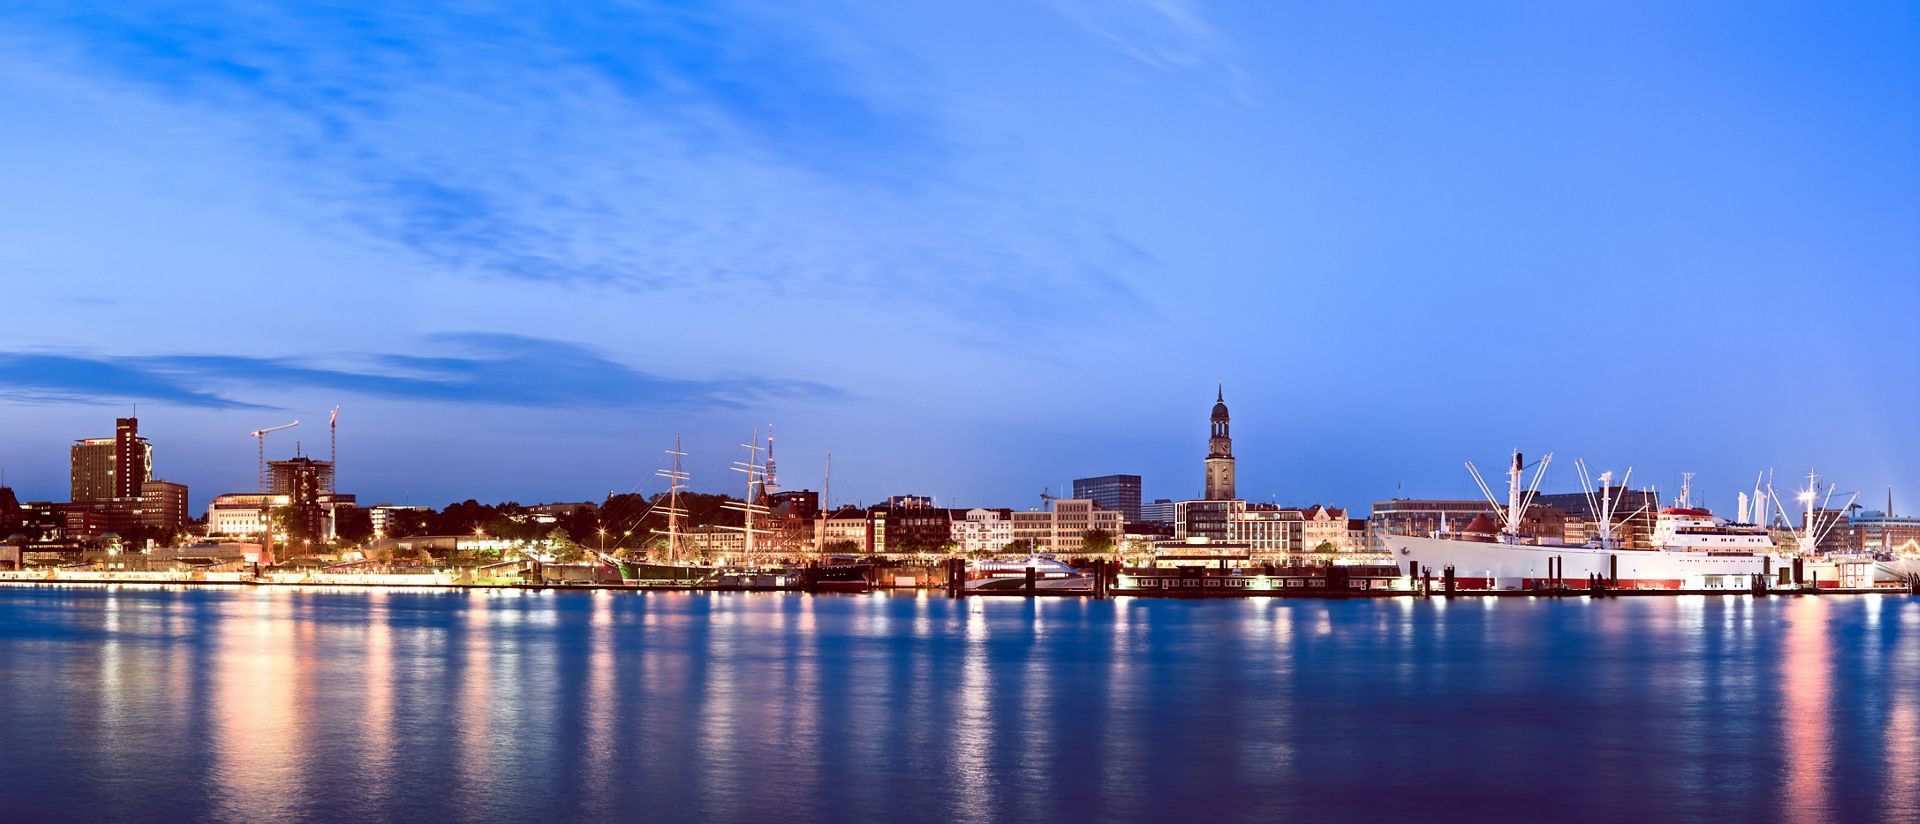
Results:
[1694, 549]
[1044, 571]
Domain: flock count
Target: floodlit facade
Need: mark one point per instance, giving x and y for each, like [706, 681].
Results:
[982, 530]
[241, 515]
[1063, 528]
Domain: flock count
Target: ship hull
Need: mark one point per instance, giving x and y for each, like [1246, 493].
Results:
[1897, 571]
[1486, 565]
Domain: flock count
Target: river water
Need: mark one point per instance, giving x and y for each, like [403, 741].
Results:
[230, 704]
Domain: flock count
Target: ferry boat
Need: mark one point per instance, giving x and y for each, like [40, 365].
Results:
[1694, 549]
[1049, 573]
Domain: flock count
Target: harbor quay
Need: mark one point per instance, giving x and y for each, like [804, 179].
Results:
[124, 525]
[958, 578]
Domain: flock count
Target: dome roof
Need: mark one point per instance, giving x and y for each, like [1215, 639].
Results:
[1220, 411]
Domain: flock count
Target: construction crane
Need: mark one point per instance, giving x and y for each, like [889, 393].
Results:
[260, 439]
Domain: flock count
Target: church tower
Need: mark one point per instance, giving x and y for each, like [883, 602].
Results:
[1220, 453]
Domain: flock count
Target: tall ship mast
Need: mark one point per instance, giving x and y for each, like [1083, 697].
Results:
[755, 502]
[675, 480]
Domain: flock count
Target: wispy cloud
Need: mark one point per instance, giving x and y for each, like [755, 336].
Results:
[639, 146]
[1171, 35]
[479, 368]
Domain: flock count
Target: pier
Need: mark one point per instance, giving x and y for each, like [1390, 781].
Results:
[1106, 580]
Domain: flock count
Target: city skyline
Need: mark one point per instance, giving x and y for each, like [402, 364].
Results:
[1681, 239]
[1701, 494]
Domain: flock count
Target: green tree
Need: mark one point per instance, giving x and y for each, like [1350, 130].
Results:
[563, 547]
[1096, 542]
[291, 527]
[353, 525]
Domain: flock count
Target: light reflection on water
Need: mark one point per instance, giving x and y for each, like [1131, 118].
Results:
[154, 704]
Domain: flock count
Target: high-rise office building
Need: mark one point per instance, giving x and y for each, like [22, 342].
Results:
[1161, 511]
[1120, 493]
[107, 468]
[112, 487]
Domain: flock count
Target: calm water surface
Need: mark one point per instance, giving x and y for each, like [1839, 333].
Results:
[150, 704]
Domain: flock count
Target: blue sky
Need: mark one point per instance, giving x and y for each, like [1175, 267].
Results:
[974, 249]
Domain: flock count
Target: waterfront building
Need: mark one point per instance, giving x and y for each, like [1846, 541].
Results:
[163, 505]
[716, 542]
[1269, 533]
[385, 516]
[1120, 493]
[1219, 464]
[843, 530]
[1062, 529]
[1274, 534]
[978, 531]
[1158, 512]
[797, 503]
[241, 515]
[911, 524]
[1211, 520]
[1879, 531]
[1424, 517]
[1635, 511]
[1324, 529]
[1840, 537]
